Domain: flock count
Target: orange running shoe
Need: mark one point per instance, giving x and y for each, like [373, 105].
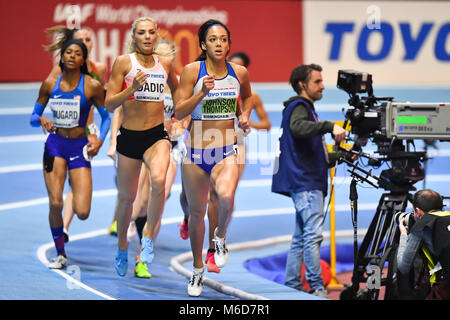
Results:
[184, 230]
[210, 263]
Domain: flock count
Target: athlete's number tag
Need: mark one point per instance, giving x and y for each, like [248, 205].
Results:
[66, 112]
[219, 105]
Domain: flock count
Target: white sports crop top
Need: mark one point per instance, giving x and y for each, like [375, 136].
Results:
[154, 89]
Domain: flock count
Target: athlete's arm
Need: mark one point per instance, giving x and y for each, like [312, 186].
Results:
[172, 79]
[264, 123]
[36, 118]
[246, 94]
[114, 95]
[98, 99]
[101, 68]
[115, 125]
[185, 102]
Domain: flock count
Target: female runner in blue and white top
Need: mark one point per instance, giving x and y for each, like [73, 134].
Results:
[137, 82]
[69, 97]
[209, 92]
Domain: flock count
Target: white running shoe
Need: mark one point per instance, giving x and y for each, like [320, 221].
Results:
[131, 233]
[221, 254]
[321, 292]
[195, 286]
[59, 262]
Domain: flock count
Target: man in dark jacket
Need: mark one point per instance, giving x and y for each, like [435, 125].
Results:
[432, 230]
[302, 174]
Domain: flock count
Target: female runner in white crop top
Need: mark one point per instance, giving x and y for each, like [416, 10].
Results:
[212, 128]
[137, 83]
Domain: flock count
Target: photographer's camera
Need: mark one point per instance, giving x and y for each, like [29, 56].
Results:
[409, 219]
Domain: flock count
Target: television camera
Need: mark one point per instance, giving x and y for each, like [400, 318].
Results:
[392, 127]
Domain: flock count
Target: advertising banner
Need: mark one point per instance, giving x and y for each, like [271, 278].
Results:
[398, 42]
[268, 31]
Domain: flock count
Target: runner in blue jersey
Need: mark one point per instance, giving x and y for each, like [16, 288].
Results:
[209, 92]
[67, 148]
[97, 70]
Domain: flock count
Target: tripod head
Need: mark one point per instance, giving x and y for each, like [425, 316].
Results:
[400, 178]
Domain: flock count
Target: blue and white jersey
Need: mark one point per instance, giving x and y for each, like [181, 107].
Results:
[70, 109]
[222, 101]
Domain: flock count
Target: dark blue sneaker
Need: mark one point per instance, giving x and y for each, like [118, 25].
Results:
[121, 262]
[147, 250]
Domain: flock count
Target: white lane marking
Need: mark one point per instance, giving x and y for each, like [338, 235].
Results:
[19, 110]
[43, 258]
[176, 263]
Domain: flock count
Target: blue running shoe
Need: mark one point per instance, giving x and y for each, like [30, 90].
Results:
[121, 262]
[147, 250]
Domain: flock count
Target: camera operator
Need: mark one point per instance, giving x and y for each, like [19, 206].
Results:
[302, 174]
[432, 229]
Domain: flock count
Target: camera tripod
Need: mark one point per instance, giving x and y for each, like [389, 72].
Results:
[379, 245]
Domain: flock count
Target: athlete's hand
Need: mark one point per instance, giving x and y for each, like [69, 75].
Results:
[208, 84]
[93, 146]
[112, 152]
[139, 80]
[244, 123]
[47, 125]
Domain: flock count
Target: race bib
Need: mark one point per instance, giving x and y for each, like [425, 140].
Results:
[152, 90]
[219, 105]
[66, 112]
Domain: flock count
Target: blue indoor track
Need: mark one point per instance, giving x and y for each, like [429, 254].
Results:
[261, 224]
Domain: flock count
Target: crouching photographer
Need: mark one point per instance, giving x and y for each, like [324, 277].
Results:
[432, 231]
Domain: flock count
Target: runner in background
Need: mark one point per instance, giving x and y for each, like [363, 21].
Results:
[67, 148]
[97, 70]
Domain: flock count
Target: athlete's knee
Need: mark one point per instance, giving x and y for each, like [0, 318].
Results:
[225, 196]
[197, 214]
[158, 184]
[82, 211]
[56, 205]
[126, 198]
[83, 215]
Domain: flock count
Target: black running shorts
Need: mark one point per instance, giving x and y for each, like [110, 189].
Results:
[133, 144]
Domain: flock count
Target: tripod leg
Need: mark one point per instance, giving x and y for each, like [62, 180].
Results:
[374, 244]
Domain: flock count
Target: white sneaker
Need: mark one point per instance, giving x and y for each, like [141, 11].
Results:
[59, 262]
[221, 254]
[195, 286]
[321, 292]
[131, 233]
